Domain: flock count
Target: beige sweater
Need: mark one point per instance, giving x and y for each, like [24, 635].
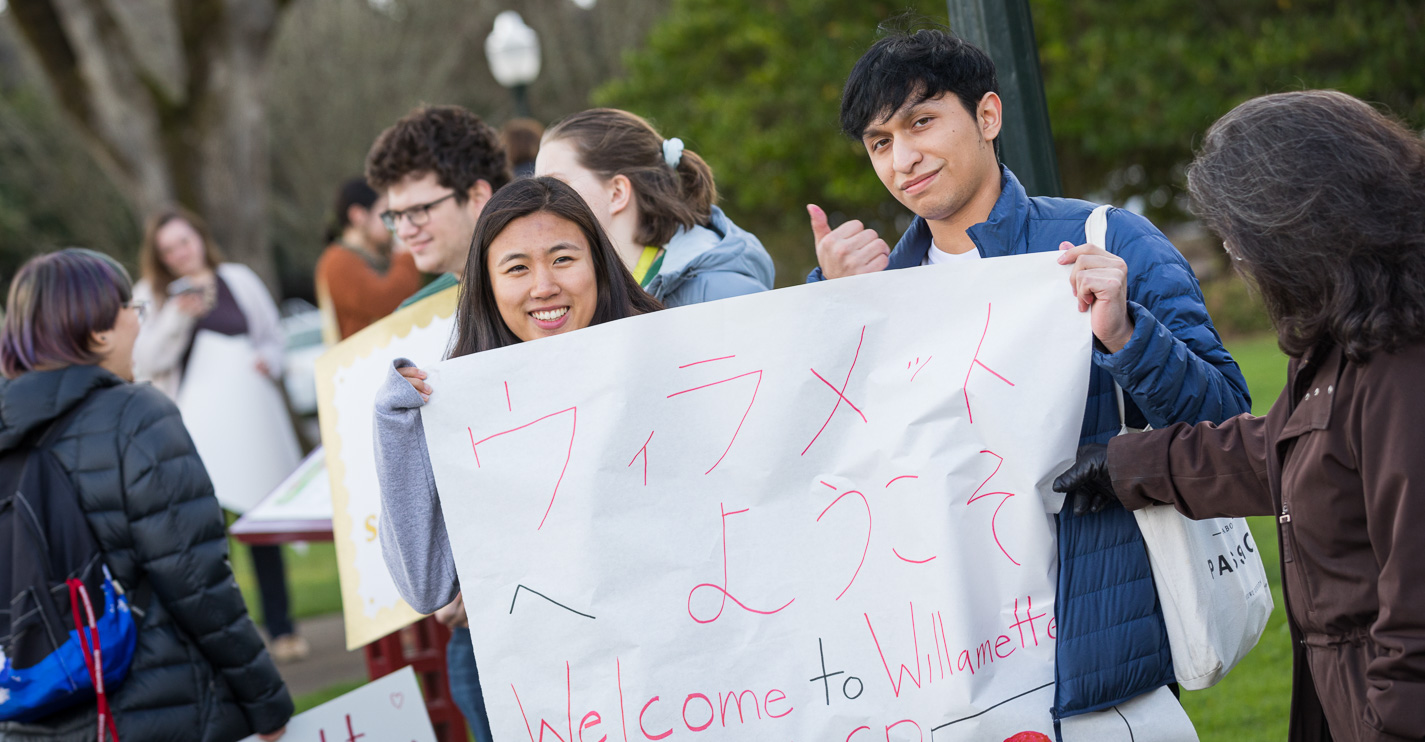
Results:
[164, 337]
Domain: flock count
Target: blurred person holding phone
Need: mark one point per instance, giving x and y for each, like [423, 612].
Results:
[192, 290]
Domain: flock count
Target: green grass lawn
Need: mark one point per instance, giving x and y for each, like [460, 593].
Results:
[311, 578]
[319, 697]
[1252, 702]
[1264, 366]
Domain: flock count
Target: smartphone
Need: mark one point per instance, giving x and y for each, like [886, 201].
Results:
[181, 285]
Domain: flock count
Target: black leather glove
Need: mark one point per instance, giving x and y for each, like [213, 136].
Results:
[1087, 482]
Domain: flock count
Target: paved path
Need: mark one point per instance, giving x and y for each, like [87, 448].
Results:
[329, 662]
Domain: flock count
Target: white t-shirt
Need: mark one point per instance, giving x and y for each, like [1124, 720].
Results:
[936, 256]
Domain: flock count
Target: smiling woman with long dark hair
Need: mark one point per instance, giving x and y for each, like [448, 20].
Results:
[482, 320]
[540, 265]
[1321, 200]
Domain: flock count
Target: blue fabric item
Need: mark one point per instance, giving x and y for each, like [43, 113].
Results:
[465, 683]
[56, 682]
[713, 262]
[1112, 643]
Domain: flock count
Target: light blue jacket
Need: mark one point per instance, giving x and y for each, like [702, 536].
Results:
[1112, 643]
[714, 262]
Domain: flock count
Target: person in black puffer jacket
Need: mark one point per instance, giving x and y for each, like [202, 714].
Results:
[200, 671]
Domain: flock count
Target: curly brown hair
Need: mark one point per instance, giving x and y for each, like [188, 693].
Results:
[455, 144]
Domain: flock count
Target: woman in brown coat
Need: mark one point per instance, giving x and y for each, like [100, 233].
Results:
[1321, 200]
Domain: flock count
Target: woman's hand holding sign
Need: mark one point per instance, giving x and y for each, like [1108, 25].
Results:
[417, 378]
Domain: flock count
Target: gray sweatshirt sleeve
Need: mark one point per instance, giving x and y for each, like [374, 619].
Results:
[413, 538]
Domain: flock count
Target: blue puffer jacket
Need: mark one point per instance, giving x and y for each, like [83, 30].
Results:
[1112, 644]
[718, 261]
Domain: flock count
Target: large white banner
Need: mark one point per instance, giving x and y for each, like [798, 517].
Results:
[819, 513]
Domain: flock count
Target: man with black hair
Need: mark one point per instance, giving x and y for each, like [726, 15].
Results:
[926, 107]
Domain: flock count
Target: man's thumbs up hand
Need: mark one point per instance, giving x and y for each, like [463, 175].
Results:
[848, 250]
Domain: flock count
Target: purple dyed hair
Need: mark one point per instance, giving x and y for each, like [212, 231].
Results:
[57, 301]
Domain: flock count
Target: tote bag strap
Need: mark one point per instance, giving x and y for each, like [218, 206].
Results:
[1122, 421]
[1096, 233]
[1096, 227]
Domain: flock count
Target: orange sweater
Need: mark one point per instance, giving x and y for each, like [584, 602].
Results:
[359, 293]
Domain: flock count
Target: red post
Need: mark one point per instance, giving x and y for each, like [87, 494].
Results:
[420, 645]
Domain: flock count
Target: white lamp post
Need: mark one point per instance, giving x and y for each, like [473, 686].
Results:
[512, 49]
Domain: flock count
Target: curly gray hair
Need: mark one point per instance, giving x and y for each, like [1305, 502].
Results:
[1322, 200]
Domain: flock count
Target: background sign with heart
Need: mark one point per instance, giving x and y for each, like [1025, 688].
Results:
[385, 709]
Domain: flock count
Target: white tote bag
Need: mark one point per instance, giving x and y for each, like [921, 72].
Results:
[1208, 573]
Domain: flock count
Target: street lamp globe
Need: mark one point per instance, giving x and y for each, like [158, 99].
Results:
[512, 49]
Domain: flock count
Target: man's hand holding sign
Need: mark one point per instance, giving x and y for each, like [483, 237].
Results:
[1100, 282]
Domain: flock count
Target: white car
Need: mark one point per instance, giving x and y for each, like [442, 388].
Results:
[302, 326]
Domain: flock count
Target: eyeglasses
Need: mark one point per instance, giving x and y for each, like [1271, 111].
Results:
[419, 215]
[138, 306]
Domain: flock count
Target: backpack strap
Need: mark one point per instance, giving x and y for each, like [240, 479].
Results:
[16, 460]
[139, 596]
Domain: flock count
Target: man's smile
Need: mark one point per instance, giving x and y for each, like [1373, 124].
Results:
[920, 183]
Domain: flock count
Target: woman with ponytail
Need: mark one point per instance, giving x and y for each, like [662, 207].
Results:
[655, 198]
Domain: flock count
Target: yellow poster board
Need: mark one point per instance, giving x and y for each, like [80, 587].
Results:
[348, 377]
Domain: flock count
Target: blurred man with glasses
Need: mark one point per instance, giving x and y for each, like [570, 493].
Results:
[437, 167]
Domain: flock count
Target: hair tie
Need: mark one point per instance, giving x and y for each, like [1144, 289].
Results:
[673, 152]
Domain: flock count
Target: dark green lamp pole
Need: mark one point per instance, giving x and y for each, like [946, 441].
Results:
[1005, 30]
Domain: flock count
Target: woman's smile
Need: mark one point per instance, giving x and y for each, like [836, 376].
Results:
[550, 319]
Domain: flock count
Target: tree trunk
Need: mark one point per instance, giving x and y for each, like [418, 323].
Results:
[169, 96]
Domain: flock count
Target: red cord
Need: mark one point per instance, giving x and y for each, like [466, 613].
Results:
[93, 654]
